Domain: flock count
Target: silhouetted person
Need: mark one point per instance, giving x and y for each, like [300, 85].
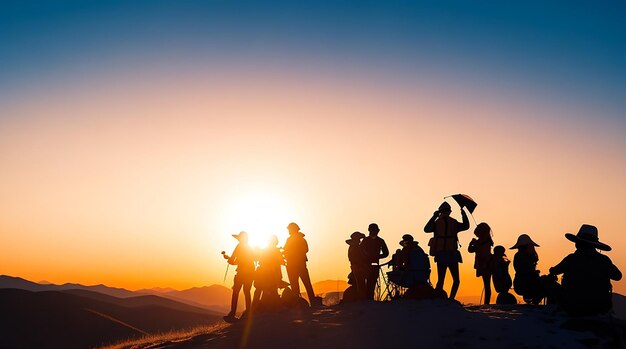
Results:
[295, 251]
[374, 248]
[482, 260]
[444, 244]
[587, 275]
[358, 264]
[243, 257]
[268, 276]
[527, 282]
[502, 281]
[412, 266]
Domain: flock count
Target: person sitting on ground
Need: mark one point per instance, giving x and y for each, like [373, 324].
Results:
[374, 249]
[482, 261]
[268, 276]
[527, 282]
[295, 251]
[413, 265]
[243, 257]
[444, 244]
[358, 264]
[587, 275]
[501, 278]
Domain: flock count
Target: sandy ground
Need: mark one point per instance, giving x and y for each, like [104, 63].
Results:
[409, 324]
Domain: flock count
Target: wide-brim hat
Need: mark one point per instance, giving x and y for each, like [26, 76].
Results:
[406, 238]
[242, 234]
[524, 240]
[588, 234]
[357, 235]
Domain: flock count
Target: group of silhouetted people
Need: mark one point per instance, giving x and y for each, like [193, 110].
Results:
[262, 268]
[364, 254]
[587, 274]
[585, 289]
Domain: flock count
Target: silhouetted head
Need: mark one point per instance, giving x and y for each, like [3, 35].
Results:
[355, 238]
[445, 209]
[587, 236]
[406, 239]
[357, 235]
[499, 250]
[242, 237]
[373, 229]
[293, 228]
[523, 241]
[272, 240]
[483, 231]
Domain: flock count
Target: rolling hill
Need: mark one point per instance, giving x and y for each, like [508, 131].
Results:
[80, 318]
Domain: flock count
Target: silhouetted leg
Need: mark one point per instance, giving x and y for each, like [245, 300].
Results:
[235, 297]
[306, 281]
[257, 297]
[456, 280]
[441, 275]
[372, 276]
[359, 280]
[294, 280]
[246, 294]
[487, 285]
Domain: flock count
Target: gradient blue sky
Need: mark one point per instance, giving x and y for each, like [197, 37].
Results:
[573, 51]
[129, 129]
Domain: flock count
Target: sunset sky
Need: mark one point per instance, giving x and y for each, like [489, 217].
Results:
[136, 137]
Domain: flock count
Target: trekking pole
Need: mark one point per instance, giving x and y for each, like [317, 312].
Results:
[227, 265]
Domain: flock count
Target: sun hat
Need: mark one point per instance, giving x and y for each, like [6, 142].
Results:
[242, 234]
[406, 238]
[524, 240]
[357, 235]
[588, 234]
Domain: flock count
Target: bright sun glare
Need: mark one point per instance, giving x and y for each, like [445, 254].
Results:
[260, 215]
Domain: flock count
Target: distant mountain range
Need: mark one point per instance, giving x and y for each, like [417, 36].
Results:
[23, 284]
[214, 297]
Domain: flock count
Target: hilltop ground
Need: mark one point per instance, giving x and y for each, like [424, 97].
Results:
[407, 324]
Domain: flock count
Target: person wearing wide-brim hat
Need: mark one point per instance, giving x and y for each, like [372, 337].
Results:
[527, 281]
[243, 257]
[587, 274]
[358, 264]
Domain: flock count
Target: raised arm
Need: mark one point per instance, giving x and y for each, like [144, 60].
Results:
[430, 226]
[614, 273]
[233, 257]
[471, 248]
[466, 223]
[561, 267]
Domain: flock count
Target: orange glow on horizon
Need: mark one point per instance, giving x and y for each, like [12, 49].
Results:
[139, 185]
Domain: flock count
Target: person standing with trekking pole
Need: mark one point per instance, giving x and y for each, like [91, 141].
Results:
[243, 258]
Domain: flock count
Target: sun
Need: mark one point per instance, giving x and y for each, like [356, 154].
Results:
[260, 214]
